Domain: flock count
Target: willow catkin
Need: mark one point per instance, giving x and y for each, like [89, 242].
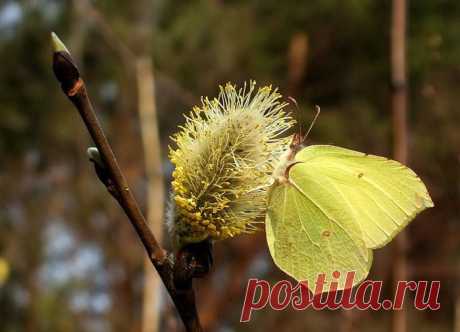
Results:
[223, 161]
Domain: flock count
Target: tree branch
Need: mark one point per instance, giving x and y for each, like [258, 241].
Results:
[110, 174]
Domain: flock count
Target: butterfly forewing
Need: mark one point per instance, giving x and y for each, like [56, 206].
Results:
[383, 195]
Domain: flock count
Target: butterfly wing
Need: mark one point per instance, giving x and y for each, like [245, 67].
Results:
[382, 195]
[310, 230]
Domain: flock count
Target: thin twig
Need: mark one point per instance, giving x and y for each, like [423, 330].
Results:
[110, 174]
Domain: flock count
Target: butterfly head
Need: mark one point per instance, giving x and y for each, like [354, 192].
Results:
[299, 139]
[298, 143]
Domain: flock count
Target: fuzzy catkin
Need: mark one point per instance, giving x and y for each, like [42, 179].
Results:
[224, 159]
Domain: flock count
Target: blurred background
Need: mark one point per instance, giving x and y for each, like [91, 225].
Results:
[70, 260]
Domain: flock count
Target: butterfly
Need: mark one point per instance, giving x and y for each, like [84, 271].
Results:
[330, 207]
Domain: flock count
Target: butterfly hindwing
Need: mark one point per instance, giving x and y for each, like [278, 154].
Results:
[309, 234]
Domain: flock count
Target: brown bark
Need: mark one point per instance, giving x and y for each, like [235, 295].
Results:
[155, 190]
[142, 12]
[457, 311]
[79, 29]
[400, 152]
[346, 324]
[297, 62]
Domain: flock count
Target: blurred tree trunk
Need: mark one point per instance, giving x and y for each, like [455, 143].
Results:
[457, 310]
[346, 323]
[32, 315]
[78, 30]
[155, 199]
[152, 153]
[297, 62]
[400, 151]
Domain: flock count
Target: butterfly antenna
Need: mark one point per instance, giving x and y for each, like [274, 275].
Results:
[318, 110]
[299, 123]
